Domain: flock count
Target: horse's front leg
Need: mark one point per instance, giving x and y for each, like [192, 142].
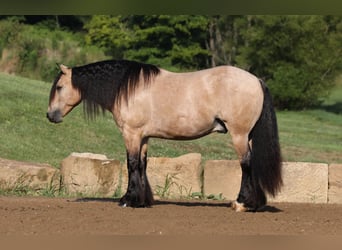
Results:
[145, 184]
[138, 192]
[134, 196]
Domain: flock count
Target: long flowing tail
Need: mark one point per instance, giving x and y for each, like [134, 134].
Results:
[266, 155]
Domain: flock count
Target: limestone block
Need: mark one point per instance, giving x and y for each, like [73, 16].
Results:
[222, 177]
[90, 174]
[172, 177]
[335, 183]
[25, 174]
[304, 182]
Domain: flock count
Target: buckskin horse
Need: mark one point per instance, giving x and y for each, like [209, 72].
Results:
[150, 102]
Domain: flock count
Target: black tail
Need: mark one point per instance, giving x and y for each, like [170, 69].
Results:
[266, 156]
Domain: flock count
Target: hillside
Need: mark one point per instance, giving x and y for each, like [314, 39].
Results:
[26, 134]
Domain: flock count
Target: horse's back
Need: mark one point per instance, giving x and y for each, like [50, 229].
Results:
[214, 80]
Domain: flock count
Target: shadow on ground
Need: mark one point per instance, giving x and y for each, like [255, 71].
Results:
[267, 208]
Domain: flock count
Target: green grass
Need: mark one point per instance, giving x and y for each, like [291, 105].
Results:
[314, 136]
[26, 134]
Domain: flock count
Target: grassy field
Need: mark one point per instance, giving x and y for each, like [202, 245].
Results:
[26, 134]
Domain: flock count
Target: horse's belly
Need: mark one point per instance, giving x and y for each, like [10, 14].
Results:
[185, 128]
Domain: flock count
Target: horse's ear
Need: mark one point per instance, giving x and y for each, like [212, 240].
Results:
[65, 70]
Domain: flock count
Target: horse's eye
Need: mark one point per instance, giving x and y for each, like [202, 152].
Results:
[58, 88]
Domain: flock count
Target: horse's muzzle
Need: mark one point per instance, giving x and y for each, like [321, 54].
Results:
[55, 116]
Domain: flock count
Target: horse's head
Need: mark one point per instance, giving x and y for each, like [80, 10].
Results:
[63, 96]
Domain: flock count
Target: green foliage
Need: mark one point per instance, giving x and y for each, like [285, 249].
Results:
[299, 56]
[33, 51]
[109, 33]
[66, 22]
[171, 183]
[218, 197]
[293, 88]
[159, 39]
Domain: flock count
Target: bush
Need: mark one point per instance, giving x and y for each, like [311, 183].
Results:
[294, 88]
[33, 51]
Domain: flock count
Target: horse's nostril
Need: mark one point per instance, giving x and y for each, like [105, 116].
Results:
[49, 117]
[54, 116]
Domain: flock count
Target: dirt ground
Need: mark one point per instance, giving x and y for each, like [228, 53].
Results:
[55, 216]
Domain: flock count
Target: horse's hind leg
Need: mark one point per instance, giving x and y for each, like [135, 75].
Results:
[251, 196]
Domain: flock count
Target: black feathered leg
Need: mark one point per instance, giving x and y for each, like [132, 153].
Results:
[139, 193]
[251, 194]
[148, 196]
[134, 196]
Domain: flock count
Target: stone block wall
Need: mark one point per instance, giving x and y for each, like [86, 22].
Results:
[304, 182]
[335, 183]
[180, 177]
[222, 177]
[90, 174]
[16, 174]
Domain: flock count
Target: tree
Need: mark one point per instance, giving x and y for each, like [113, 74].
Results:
[110, 33]
[160, 39]
[224, 38]
[299, 56]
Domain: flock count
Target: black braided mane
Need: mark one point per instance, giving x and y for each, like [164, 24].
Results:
[101, 84]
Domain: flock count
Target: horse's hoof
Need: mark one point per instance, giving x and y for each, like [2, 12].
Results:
[123, 202]
[239, 207]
